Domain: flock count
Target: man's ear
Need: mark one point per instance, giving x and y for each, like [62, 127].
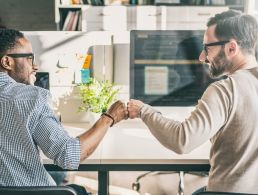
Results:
[232, 48]
[6, 63]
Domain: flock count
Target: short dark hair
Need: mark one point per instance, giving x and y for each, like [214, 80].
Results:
[9, 39]
[234, 24]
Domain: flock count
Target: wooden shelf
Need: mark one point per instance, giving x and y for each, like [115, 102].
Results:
[72, 6]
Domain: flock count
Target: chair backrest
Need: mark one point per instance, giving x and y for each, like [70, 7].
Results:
[43, 190]
[222, 193]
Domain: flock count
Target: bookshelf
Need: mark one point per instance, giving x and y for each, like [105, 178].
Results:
[237, 4]
[144, 17]
[70, 19]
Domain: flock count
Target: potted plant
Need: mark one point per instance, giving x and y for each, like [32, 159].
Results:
[96, 96]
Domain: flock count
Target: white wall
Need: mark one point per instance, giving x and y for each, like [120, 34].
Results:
[62, 55]
[56, 53]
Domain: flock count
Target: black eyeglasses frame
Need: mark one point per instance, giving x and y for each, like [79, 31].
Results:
[213, 44]
[21, 55]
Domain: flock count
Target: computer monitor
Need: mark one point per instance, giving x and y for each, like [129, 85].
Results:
[164, 67]
[42, 80]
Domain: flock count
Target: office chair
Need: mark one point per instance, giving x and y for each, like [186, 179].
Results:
[43, 190]
[136, 185]
[222, 193]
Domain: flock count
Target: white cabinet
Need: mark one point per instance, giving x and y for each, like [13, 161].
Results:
[124, 18]
[146, 17]
[198, 16]
[175, 18]
[114, 18]
[92, 18]
[107, 18]
[188, 17]
[172, 17]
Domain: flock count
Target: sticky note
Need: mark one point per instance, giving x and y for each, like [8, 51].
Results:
[86, 64]
[85, 75]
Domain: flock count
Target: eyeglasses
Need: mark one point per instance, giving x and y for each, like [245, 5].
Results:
[205, 46]
[30, 56]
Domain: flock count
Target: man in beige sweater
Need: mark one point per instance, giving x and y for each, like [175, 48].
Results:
[227, 113]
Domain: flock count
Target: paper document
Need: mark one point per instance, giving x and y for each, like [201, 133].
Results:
[156, 80]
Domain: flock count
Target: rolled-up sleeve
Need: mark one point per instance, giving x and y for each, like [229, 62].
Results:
[53, 140]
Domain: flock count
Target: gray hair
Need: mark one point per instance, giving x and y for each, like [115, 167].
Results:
[233, 24]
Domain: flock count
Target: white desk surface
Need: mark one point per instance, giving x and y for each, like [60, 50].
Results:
[129, 146]
[131, 142]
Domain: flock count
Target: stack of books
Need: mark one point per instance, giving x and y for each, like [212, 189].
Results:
[72, 2]
[82, 2]
[209, 2]
[73, 21]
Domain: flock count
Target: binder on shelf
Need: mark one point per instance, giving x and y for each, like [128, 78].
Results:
[72, 21]
[75, 20]
[218, 2]
[96, 2]
[67, 20]
[166, 2]
[85, 2]
[79, 26]
[73, 2]
[198, 2]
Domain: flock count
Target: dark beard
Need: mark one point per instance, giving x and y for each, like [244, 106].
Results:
[219, 65]
[19, 75]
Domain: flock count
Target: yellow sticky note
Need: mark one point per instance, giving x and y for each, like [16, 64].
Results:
[86, 64]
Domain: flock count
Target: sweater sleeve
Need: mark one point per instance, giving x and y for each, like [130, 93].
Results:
[204, 122]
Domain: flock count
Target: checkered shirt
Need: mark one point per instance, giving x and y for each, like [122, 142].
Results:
[28, 124]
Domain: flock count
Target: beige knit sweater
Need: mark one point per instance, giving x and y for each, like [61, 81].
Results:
[227, 114]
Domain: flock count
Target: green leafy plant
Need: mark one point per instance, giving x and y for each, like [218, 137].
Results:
[97, 96]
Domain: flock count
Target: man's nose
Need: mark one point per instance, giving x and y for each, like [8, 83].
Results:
[35, 67]
[202, 57]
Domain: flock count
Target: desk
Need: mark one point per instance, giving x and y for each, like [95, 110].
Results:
[129, 146]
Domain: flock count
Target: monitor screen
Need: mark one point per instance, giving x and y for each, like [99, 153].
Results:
[42, 80]
[164, 67]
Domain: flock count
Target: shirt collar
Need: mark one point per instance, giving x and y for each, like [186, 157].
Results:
[5, 78]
